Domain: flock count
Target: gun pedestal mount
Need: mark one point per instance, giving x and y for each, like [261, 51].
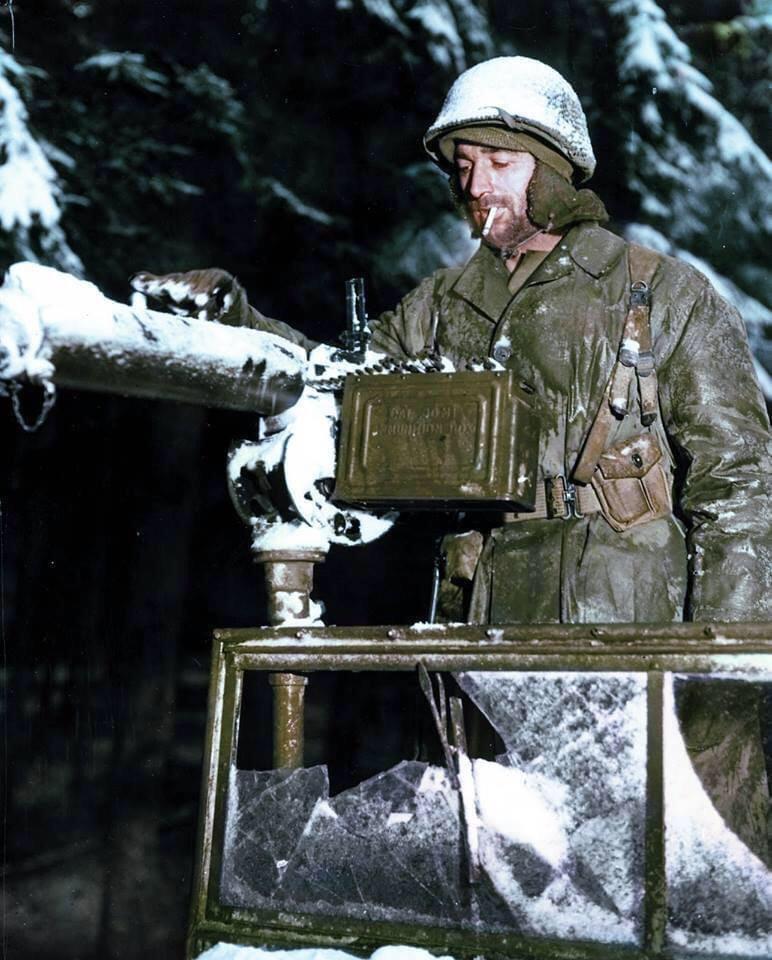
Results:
[289, 580]
[422, 440]
[288, 719]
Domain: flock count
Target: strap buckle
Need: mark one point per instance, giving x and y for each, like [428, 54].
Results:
[564, 495]
[639, 294]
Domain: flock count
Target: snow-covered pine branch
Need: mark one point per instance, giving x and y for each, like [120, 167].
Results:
[30, 195]
[700, 177]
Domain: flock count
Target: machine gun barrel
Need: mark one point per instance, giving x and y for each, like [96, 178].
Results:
[54, 327]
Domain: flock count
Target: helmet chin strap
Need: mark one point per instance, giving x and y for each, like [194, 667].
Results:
[506, 253]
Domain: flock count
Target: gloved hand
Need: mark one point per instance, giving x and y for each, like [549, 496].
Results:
[210, 294]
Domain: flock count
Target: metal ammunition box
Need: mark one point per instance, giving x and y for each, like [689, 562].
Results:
[438, 439]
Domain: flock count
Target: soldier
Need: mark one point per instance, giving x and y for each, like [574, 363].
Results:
[654, 455]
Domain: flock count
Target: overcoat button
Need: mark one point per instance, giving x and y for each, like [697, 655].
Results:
[502, 353]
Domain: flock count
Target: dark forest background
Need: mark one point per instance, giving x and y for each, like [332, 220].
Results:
[279, 139]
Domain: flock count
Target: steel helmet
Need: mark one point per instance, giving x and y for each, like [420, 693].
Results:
[521, 94]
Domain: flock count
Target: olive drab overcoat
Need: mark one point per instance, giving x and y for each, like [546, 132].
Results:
[560, 333]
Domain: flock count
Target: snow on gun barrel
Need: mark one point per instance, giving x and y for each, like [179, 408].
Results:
[55, 328]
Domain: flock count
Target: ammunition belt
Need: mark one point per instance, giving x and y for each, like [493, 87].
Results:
[558, 499]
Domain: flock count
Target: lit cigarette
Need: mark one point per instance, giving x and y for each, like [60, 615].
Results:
[489, 221]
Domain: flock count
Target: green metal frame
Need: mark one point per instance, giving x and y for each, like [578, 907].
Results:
[726, 649]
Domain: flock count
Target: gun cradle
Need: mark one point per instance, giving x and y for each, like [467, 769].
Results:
[438, 440]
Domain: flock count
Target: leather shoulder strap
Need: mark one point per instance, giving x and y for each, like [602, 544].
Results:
[643, 263]
[634, 358]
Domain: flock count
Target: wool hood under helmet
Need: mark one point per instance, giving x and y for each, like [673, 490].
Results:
[520, 94]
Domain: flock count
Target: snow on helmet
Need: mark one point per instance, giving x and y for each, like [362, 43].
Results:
[522, 94]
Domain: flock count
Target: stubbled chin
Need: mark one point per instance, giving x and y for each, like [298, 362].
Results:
[509, 235]
[509, 229]
[499, 233]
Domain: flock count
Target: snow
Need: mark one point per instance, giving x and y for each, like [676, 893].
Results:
[434, 780]
[178, 290]
[323, 810]
[29, 191]
[572, 794]
[703, 167]
[289, 607]
[328, 368]
[301, 443]
[650, 43]
[287, 535]
[300, 208]
[128, 67]
[309, 453]
[415, 250]
[229, 951]
[416, 253]
[756, 315]
[647, 236]
[704, 857]
[558, 823]
[27, 180]
[474, 28]
[78, 306]
[531, 92]
[135, 351]
[468, 790]
[758, 16]
[449, 24]
[399, 818]
[523, 808]
[444, 43]
[734, 143]
[605, 714]
[697, 172]
[765, 380]
[48, 287]
[382, 10]
[652, 117]
[21, 339]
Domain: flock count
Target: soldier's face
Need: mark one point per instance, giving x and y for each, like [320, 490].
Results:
[490, 178]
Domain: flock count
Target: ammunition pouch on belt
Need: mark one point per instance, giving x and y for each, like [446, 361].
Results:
[632, 483]
[631, 478]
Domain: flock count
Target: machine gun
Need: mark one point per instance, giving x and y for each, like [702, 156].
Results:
[347, 437]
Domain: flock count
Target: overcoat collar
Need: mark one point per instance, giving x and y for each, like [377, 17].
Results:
[483, 282]
[592, 248]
